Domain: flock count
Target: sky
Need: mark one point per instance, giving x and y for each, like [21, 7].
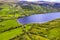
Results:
[42, 0]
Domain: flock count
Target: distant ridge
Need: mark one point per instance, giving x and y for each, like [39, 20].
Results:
[41, 3]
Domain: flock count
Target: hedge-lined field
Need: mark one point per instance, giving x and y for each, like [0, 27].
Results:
[10, 29]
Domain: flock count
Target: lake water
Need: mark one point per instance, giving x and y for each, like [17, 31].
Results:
[39, 18]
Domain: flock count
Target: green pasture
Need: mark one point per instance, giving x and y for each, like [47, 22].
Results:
[10, 29]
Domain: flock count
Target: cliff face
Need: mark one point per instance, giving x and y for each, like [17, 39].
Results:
[8, 0]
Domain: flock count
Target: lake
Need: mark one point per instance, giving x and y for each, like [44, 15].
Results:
[39, 18]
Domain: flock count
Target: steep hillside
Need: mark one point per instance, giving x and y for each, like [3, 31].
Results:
[10, 29]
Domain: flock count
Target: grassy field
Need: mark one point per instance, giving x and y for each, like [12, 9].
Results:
[10, 29]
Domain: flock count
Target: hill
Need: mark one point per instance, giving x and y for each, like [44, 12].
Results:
[10, 29]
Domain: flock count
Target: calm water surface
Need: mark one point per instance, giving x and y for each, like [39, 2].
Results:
[39, 18]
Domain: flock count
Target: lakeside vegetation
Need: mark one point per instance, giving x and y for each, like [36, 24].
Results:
[10, 29]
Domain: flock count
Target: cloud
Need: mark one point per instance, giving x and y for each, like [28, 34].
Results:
[42, 0]
[53, 0]
[30, 0]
